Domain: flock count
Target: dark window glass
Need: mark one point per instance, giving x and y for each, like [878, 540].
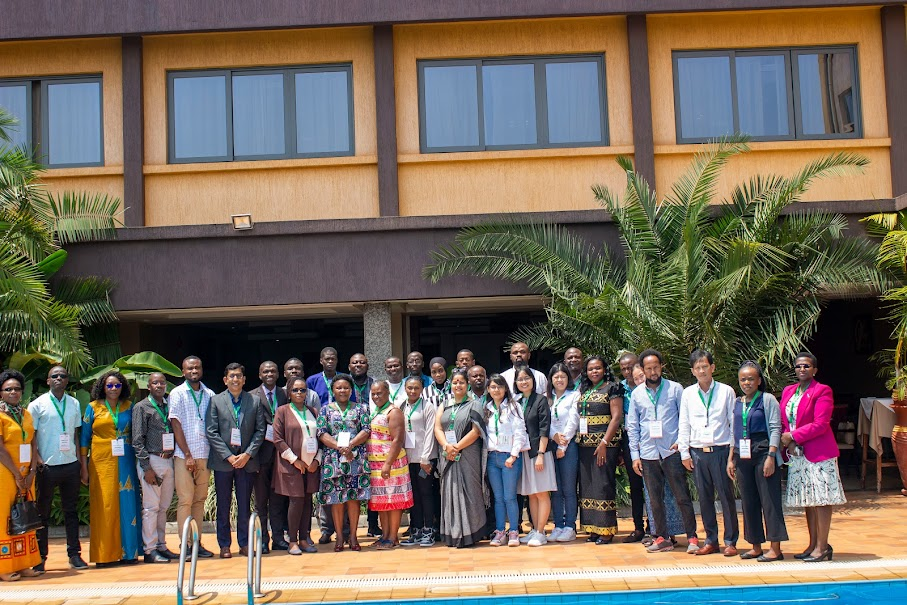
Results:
[826, 84]
[762, 95]
[258, 120]
[706, 107]
[14, 100]
[508, 95]
[200, 117]
[322, 112]
[73, 123]
[574, 102]
[451, 106]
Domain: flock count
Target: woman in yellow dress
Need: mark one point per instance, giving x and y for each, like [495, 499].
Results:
[18, 463]
[108, 466]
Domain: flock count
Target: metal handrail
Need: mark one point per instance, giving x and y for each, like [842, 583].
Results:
[253, 571]
[190, 596]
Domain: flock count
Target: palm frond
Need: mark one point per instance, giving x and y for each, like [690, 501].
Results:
[80, 217]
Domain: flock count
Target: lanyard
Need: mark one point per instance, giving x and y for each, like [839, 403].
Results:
[380, 411]
[303, 417]
[160, 413]
[746, 410]
[236, 407]
[577, 382]
[327, 384]
[706, 404]
[18, 419]
[453, 413]
[271, 403]
[114, 415]
[409, 417]
[657, 396]
[343, 413]
[525, 404]
[793, 404]
[397, 390]
[589, 394]
[497, 418]
[557, 402]
[360, 392]
[57, 403]
[198, 400]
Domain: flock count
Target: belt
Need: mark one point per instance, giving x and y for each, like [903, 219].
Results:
[710, 449]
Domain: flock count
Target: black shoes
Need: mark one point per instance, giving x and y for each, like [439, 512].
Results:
[204, 553]
[39, 568]
[168, 554]
[76, 562]
[280, 545]
[325, 538]
[155, 557]
[826, 555]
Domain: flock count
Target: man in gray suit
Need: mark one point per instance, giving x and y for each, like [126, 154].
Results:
[235, 425]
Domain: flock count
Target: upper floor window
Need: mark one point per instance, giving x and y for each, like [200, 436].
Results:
[774, 94]
[519, 103]
[60, 119]
[257, 114]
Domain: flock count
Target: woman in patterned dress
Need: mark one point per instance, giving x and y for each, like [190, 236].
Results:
[343, 429]
[388, 466]
[601, 410]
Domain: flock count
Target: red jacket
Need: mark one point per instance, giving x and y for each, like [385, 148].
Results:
[813, 432]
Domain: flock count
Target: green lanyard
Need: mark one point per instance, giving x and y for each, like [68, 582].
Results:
[589, 394]
[160, 413]
[360, 392]
[303, 417]
[114, 415]
[409, 417]
[18, 419]
[379, 411]
[577, 382]
[397, 390]
[453, 413]
[657, 396]
[793, 405]
[272, 403]
[497, 419]
[557, 402]
[327, 384]
[706, 404]
[198, 400]
[343, 413]
[747, 408]
[57, 404]
[525, 404]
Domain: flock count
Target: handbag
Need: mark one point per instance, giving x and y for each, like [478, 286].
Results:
[23, 516]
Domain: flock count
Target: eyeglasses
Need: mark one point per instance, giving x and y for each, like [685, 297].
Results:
[802, 366]
[297, 390]
[117, 385]
[58, 376]
[12, 390]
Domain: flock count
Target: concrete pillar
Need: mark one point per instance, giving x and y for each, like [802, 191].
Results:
[377, 325]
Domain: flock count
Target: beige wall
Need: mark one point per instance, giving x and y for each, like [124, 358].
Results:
[270, 190]
[509, 181]
[861, 27]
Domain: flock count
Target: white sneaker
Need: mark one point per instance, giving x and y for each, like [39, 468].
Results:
[568, 534]
[513, 538]
[525, 539]
[538, 539]
[555, 534]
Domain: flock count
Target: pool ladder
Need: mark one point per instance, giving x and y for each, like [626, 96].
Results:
[190, 524]
[253, 571]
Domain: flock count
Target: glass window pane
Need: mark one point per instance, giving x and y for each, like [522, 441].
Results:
[826, 92]
[451, 106]
[14, 100]
[258, 124]
[704, 97]
[574, 102]
[200, 117]
[762, 95]
[508, 98]
[322, 112]
[73, 123]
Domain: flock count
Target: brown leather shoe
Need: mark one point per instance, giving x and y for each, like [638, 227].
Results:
[707, 549]
[730, 551]
[243, 551]
[225, 553]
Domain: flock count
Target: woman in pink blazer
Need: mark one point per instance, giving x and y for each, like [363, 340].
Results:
[813, 480]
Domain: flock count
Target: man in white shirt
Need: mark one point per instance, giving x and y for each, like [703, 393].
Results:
[519, 356]
[393, 367]
[705, 440]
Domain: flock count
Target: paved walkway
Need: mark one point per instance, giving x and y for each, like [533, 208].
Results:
[869, 535]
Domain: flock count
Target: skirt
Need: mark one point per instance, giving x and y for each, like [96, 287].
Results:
[814, 483]
[535, 482]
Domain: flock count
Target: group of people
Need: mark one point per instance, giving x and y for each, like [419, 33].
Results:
[463, 451]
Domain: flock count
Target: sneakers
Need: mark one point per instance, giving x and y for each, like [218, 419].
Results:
[525, 539]
[76, 562]
[513, 538]
[692, 545]
[428, 538]
[555, 533]
[660, 545]
[538, 539]
[414, 538]
[568, 534]
[498, 538]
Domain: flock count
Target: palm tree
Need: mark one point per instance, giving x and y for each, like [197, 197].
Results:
[744, 278]
[37, 314]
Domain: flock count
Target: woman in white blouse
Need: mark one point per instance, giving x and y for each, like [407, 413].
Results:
[422, 452]
[564, 422]
[507, 438]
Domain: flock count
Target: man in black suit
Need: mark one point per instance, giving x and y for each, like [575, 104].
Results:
[268, 503]
[235, 425]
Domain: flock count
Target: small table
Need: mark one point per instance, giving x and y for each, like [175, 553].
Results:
[876, 419]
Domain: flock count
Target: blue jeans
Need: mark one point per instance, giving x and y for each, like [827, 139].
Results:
[504, 483]
[563, 501]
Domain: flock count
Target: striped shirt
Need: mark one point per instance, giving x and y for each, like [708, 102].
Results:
[191, 418]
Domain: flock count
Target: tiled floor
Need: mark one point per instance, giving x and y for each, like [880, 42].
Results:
[869, 535]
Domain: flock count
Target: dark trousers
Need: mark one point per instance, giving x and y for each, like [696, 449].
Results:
[637, 497]
[422, 514]
[373, 521]
[269, 505]
[224, 482]
[654, 473]
[760, 496]
[300, 519]
[67, 478]
[710, 475]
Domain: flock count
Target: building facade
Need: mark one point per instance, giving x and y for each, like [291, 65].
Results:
[358, 135]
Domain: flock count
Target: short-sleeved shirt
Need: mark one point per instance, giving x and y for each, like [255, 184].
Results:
[49, 427]
[191, 418]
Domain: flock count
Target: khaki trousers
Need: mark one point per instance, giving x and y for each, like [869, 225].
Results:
[191, 491]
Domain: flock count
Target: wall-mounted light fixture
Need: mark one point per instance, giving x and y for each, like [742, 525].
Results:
[241, 222]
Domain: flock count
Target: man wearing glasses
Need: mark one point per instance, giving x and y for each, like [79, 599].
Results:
[57, 417]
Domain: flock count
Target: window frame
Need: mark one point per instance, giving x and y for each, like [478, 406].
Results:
[794, 108]
[28, 124]
[289, 111]
[541, 100]
[45, 118]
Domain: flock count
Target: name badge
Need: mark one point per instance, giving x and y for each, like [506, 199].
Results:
[410, 439]
[583, 426]
[746, 451]
[707, 435]
[655, 429]
[25, 453]
[235, 438]
[200, 431]
[269, 433]
[557, 426]
[450, 437]
[311, 445]
[118, 447]
[167, 442]
[505, 441]
[343, 439]
[65, 443]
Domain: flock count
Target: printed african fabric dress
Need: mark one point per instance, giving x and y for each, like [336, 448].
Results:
[16, 552]
[395, 492]
[114, 500]
[343, 480]
[598, 484]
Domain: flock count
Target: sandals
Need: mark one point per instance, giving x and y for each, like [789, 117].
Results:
[385, 545]
[354, 546]
[10, 577]
[28, 572]
[338, 545]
